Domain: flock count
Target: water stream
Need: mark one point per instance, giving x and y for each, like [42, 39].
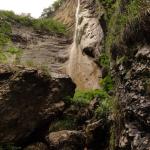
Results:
[81, 68]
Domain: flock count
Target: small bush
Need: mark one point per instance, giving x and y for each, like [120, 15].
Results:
[5, 32]
[3, 57]
[14, 50]
[44, 24]
[104, 60]
[125, 14]
[107, 83]
[83, 98]
[49, 25]
[104, 108]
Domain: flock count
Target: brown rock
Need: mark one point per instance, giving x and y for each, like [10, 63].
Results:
[66, 140]
[28, 100]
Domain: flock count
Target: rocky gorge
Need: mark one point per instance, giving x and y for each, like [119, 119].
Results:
[90, 91]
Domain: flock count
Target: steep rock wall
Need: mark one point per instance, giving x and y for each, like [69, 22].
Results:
[40, 48]
[131, 69]
[86, 47]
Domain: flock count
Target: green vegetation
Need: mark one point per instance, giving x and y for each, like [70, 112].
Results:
[104, 60]
[5, 32]
[12, 18]
[66, 123]
[9, 53]
[104, 108]
[120, 15]
[49, 25]
[13, 50]
[43, 24]
[109, 6]
[83, 98]
[3, 57]
[107, 83]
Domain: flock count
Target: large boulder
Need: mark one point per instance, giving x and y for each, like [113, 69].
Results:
[66, 140]
[29, 99]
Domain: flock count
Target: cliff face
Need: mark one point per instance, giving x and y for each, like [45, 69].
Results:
[132, 76]
[41, 48]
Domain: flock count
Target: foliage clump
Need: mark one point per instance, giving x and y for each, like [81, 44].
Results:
[49, 25]
[121, 16]
[83, 98]
[104, 60]
[107, 83]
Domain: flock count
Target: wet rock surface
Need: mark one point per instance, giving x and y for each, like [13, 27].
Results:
[86, 47]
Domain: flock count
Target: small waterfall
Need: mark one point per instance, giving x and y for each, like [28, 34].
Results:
[74, 47]
[81, 68]
[77, 21]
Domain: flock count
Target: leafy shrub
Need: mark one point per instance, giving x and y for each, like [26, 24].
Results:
[49, 25]
[14, 50]
[83, 98]
[125, 14]
[104, 108]
[104, 60]
[5, 32]
[107, 83]
[3, 57]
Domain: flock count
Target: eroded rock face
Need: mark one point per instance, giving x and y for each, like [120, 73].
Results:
[66, 140]
[90, 33]
[40, 48]
[29, 99]
[86, 47]
[134, 96]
